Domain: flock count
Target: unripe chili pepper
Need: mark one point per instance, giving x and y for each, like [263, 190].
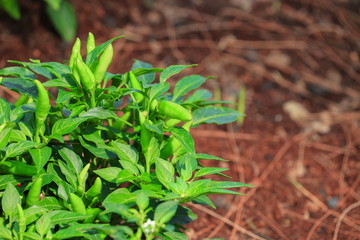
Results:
[93, 212]
[74, 53]
[174, 110]
[21, 100]
[21, 221]
[95, 189]
[172, 122]
[87, 78]
[103, 217]
[17, 168]
[42, 109]
[154, 104]
[77, 204]
[172, 146]
[134, 82]
[103, 64]
[90, 43]
[34, 192]
[82, 179]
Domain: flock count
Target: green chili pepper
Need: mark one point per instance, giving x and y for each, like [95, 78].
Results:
[34, 192]
[74, 53]
[77, 204]
[21, 100]
[82, 179]
[42, 109]
[95, 189]
[93, 212]
[21, 222]
[87, 78]
[103, 64]
[172, 146]
[154, 104]
[172, 122]
[103, 217]
[174, 110]
[90, 43]
[134, 82]
[17, 168]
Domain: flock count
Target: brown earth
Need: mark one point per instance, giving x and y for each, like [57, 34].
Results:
[299, 62]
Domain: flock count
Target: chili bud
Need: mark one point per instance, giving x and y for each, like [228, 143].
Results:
[174, 110]
[90, 43]
[75, 51]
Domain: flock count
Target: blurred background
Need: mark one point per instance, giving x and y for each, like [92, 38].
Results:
[293, 66]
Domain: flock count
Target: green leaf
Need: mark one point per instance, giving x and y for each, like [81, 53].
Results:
[172, 70]
[213, 114]
[72, 160]
[142, 199]
[125, 152]
[31, 235]
[12, 8]
[63, 216]
[187, 84]
[120, 196]
[26, 129]
[4, 137]
[157, 89]
[80, 231]
[92, 58]
[64, 20]
[209, 170]
[11, 179]
[164, 171]
[43, 224]
[55, 4]
[58, 82]
[100, 113]
[153, 151]
[199, 95]
[165, 211]
[40, 156]
[146, 77]
[20, 85]
[97, 151]
[17, 136]
[69, 174]
[17, 72]
[16, 149]
[209, 157]
[33, 213]
[110, 174]
[65, 96]
[49, 203]
[204, 200]
[158, 127]
[175, 236]
[185, 138]
[186, 165]
[5, 110]
[65, 126]
[10, 199]
[5, 233]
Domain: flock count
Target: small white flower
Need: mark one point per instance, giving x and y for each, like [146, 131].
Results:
[149, 226]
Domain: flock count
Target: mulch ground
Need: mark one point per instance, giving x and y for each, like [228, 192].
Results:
[299, 63]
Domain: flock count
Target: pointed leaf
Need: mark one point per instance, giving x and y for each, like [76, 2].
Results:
[40, 156]
[172, 70]
[187, 84]
[212, 114]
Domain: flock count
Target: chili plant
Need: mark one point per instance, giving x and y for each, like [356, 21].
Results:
[98, 155]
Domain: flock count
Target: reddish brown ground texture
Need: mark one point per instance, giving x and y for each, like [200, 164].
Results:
[299, 62]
